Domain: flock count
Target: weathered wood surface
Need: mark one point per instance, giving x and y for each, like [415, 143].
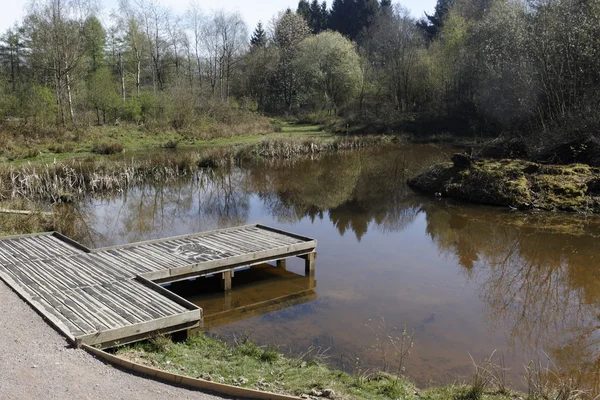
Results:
[107, 295]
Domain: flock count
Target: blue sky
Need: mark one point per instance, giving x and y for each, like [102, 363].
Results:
[252, 10]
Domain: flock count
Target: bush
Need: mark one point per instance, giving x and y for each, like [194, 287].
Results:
[108, 147]
[171, 144]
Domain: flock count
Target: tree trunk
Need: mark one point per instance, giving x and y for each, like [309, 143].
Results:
[70, 99]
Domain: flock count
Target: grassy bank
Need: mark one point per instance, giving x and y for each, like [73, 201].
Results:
[515, 183]
[130, 139]
[247, 365]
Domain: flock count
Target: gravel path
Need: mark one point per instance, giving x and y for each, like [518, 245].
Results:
[35, 363]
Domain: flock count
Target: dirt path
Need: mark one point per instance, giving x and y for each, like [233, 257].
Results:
[35, 363]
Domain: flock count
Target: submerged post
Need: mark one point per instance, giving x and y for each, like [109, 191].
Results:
[226, 281]
[281, 264]
[309, 263]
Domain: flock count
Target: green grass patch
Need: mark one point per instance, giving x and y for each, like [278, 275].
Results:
[251, 366]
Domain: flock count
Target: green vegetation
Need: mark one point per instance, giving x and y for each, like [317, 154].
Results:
[522, 67]
[514, 183]
[247, 365]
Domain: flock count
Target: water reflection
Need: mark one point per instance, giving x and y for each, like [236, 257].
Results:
[469, 279]
[537, 275]
[262, 290]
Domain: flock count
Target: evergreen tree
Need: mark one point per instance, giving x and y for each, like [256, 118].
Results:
[315, 14]
[386, 7]
[351, 17]
[319, 15]
[431, 25]
[259, 36]
[304, 11]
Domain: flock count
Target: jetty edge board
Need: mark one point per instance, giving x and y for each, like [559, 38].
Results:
[110, 296]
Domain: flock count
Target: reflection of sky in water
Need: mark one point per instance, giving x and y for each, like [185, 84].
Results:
[453, 273]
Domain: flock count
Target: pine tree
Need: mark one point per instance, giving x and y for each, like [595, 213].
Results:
[259, 36]
[431, 25]
[304, 11]
[351, 17]
[318, 16]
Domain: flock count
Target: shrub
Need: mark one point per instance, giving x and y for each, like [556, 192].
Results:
[171, 144]
[108, 147]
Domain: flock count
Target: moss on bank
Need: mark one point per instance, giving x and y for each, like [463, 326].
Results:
[514, 183]
[248, 365]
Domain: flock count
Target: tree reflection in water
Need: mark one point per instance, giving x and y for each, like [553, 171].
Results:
[536, 275]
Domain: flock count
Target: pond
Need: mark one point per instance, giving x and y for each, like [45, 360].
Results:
[465, 280]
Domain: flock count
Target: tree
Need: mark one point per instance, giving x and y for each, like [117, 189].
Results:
[259, 36]
[225, 40]
[12, 51]
[432, 24]
[102, 93]
[56, 29]
[396, 47]
[95, 43]
[289, 30]
[315, 14]
[331, 67]
[352, 17]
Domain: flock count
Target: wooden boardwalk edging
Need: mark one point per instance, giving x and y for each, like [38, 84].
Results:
[186, 381]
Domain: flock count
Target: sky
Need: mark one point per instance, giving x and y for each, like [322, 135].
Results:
[252, 10]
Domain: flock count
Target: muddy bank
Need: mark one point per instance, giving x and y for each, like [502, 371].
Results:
[514, 183]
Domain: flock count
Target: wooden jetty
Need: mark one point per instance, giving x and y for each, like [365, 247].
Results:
[111, 296]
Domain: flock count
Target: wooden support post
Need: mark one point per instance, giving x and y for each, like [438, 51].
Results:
[281, 263]
[309, 263]
[226, 282]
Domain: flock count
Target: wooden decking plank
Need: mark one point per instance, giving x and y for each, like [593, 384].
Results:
[224, 246]
[265, 242]
[97, 317]
[160, 303]
[100, 308]
[51, 299]
[133, 264]
[126, 295]
[148, 265]
[105, 271]
[156, 256]
[73, 329]
[25, 285]
[280, 236]
[69, 269]
[111, 262]
[240, 247]
[128, 307]
[50, 243]
[88, 270]
[261, 237]
[134, 297]
[248, 245]
[62, 274]
[222, 250]
[9, 252]
[28, 248]
[40, 277]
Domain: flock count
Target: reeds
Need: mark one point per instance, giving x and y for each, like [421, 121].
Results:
[67, 181]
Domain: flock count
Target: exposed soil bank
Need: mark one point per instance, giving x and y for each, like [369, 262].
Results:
[514, 183]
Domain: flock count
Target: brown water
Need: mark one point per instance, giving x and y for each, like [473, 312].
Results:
[467, 279]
